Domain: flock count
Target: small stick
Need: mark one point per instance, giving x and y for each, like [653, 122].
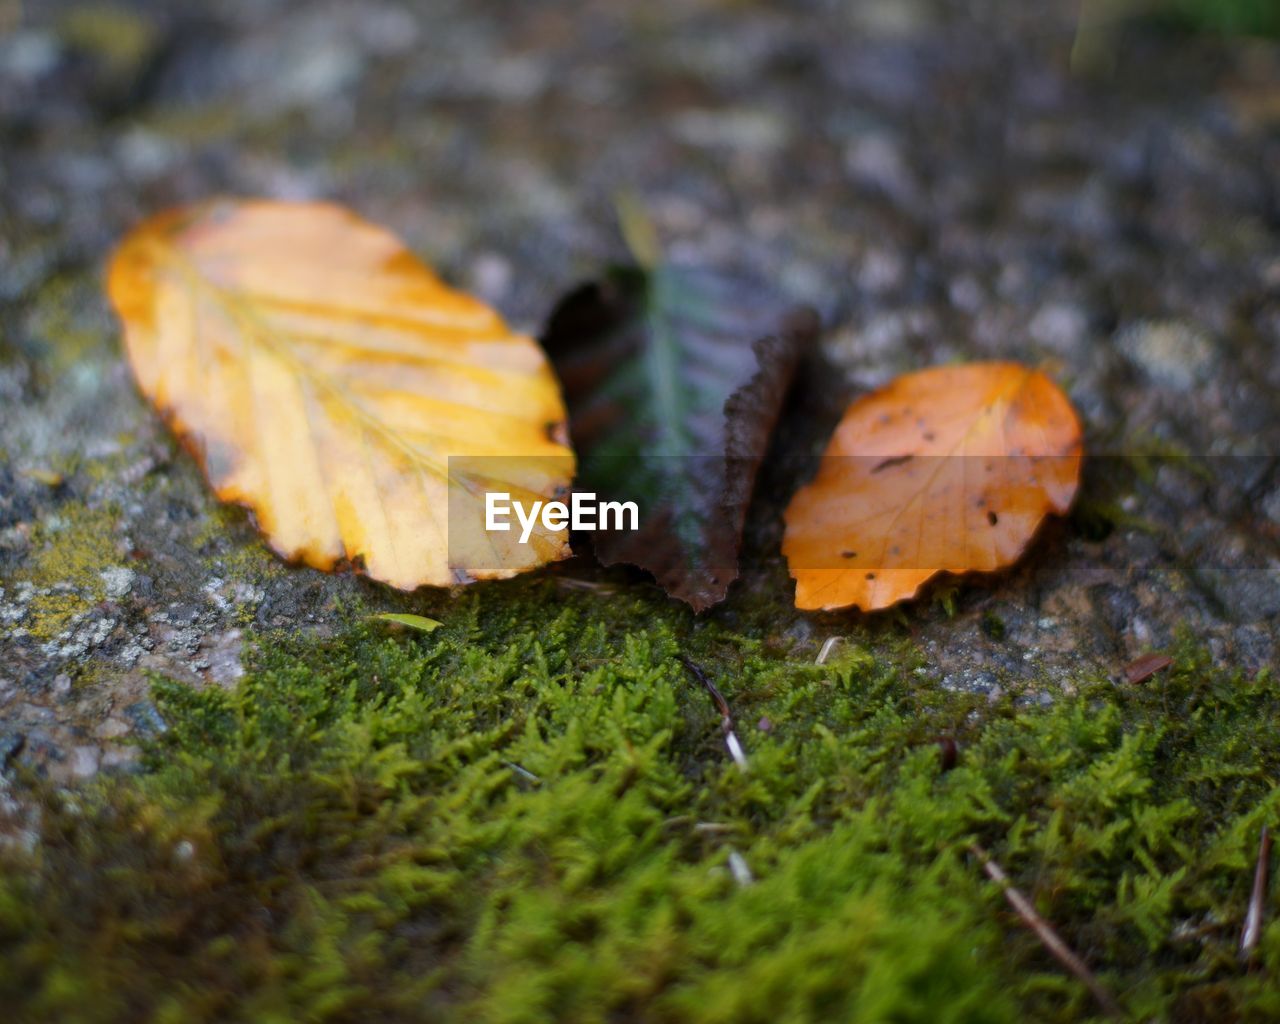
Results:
[1045, 933]
[739, 868]
[726, 719]
[1253, 919]
[574, 583]
[524, 772]
[735, 749]
[722, 705]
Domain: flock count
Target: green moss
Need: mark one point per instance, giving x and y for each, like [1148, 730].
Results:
[221, 539]
[528, 816]
[122, 39]
[64, 324]
[68, 553]
[1229, 17]
[993, 626]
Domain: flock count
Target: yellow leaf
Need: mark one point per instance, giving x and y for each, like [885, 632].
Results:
[418, 622]
[948, 470]
[324, 377]
[45, 476]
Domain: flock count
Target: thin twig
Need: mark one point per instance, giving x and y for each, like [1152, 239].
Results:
[726, 719]
[1252, 930]
[574, 583]
[739, 868]
[523, 772]
[722, 705]
[1045, 933]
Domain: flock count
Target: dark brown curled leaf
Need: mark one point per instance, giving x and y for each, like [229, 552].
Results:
[675, 377]
[1141, 669]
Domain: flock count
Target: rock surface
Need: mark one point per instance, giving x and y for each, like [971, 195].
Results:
[939, 183]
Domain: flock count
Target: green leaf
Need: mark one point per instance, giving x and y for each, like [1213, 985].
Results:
[675, 376]
[419, 622]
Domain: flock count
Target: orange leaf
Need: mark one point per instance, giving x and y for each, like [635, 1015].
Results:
[950, 469]
[324, 377]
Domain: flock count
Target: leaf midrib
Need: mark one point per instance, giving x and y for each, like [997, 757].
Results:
[241, 312]
[662, 363]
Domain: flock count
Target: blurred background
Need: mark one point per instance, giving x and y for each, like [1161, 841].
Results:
[1046, 166]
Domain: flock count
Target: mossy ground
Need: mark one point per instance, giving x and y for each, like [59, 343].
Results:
[528, 816]
[69, 552]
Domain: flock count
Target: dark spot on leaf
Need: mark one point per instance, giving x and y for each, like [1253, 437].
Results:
[992, 518]
[848, 554]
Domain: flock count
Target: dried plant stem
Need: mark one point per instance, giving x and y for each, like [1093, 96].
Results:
[574, 583]
[828, 646]
[1044, 932]
[726, 719]
[524, 773]
[1252, 930]
[739, 869]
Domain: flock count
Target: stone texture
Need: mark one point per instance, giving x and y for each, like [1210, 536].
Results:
[933, 177]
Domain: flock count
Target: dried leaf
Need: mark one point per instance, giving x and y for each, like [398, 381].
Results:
[675, 377]
[418, 622]
[44, 476]
[1143, 668]
[324, 377]
[948, 470]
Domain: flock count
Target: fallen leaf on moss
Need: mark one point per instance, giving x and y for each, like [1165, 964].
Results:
[950, 469]
[324, 377]
[675, 377]
[418, 622]
[1143, 668]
